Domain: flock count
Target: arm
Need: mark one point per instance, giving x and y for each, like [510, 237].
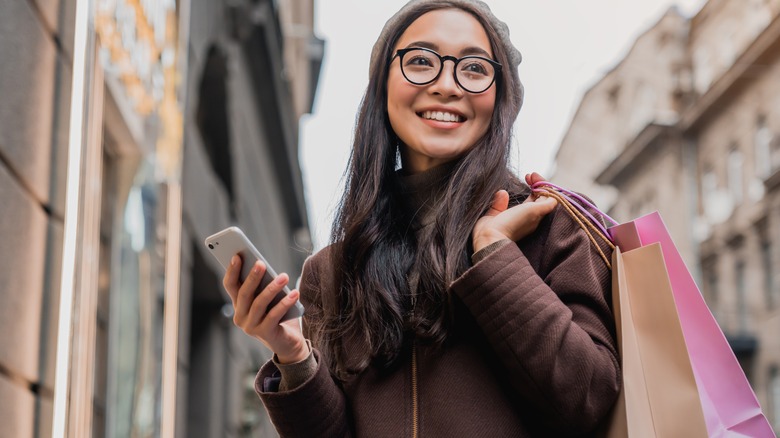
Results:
[317, 406]
[553, 328]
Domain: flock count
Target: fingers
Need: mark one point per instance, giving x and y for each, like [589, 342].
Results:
[521, 220]
[533, 178]
[500, 203]
[247, 292]
[258, 311]
[545, 204]
[230, 280]
[274, 316]
[251, 312]
[533, 208]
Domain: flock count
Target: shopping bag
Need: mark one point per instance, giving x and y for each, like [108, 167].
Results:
[659, 396]
[730, 405]
[728, 402]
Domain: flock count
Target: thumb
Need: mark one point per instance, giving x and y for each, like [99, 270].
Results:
[500, 203]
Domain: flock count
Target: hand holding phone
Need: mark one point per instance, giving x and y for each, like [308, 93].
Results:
[231, 241]
[259, 302]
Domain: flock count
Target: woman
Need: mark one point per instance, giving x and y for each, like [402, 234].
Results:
[438, 310]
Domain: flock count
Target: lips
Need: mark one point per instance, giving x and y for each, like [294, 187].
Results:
[442, 116]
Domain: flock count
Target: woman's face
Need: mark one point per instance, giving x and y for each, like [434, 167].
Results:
[426, 141]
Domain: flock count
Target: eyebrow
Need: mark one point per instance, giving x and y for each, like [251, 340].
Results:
[471, 50]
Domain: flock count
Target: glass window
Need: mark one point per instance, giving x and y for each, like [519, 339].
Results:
[712, 290]
[762, 141]
[742, 307]
[709, 182]
[735, 175]
[702, 70]
[709, 189]
[774, 397]
[766, 261]
[136, 314]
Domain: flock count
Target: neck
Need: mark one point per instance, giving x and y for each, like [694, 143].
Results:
[422, 192]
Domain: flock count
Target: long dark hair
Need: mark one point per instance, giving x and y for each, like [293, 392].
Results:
[372, 250]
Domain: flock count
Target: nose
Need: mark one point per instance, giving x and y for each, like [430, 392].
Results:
[445, 84]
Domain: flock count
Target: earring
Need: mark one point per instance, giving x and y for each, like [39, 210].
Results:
[398, 163]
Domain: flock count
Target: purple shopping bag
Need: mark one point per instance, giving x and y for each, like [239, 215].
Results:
[729, 403]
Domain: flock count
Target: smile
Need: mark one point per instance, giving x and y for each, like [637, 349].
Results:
[442, 116]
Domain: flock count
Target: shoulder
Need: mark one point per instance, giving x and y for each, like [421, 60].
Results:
[317, 275]
[315, 262]
[561, 236]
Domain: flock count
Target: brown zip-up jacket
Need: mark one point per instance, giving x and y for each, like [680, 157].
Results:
[534, 354]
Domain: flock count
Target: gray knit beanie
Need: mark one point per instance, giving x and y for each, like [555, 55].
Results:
[482, 9]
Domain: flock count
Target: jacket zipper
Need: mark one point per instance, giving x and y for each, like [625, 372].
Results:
[415, 401]
[415, 406]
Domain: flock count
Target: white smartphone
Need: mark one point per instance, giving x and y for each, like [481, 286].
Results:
[231, 241]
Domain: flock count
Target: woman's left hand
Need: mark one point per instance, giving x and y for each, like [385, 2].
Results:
[501, 222]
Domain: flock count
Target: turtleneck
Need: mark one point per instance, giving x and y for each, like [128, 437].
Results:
[422, 192]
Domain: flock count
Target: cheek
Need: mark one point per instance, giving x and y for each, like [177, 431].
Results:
[484, 104]
[399, 100]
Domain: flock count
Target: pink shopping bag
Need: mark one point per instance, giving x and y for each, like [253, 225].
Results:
[729, 403]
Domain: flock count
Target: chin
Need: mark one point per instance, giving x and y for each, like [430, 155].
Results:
[449, 155]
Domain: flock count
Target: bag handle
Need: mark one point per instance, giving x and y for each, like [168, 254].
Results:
[581, 203]
[584, 219]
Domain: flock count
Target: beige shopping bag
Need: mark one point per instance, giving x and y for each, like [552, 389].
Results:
[659, 397]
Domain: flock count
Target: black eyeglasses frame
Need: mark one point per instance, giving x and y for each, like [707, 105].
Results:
[401, 52]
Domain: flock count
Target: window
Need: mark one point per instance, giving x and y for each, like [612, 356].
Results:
[741, 288]
[712, 290]
[766, 262]
[735, 175]
[702, 76]
[762, 142]
[709, 181]
[774, 397]
[212, 118]
[709, 190]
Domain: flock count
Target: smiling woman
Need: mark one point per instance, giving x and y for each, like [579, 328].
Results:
[451, 301]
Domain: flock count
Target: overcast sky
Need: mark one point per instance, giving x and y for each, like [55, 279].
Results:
[567, 46]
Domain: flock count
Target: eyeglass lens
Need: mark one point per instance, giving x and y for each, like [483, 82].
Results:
[474, 74]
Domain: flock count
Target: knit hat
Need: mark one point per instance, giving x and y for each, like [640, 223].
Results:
[483, 10]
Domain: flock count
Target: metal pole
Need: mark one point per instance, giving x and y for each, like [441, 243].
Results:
[71, 224]
[173, 253]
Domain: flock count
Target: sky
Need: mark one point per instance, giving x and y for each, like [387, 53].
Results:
[567, 46]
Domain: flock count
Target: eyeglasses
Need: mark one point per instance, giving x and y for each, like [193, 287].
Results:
[421, 66]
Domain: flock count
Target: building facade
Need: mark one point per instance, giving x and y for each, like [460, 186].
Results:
[709, 162]
[129, 131]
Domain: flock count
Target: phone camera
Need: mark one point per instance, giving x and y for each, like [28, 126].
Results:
[211, 246]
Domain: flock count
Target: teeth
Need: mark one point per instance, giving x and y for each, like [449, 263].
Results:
[442, 116]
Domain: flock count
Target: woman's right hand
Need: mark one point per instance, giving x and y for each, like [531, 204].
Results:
[502, 222]
[251, 314]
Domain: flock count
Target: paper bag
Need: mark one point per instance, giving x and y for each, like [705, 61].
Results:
[659, 397]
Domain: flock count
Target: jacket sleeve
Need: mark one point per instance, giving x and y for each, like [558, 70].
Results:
[317, 407]
[553, 329]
